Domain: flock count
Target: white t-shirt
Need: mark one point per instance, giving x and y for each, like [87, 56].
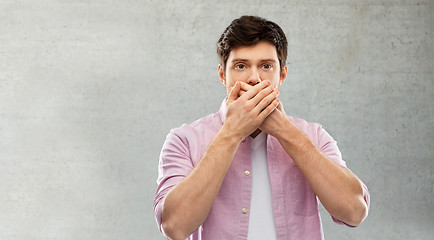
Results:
[261, 221]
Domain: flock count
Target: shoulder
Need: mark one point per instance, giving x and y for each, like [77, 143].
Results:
[321, 138]
[198, 132]
[207, 123]
[313, 130]
[310, 128]
[192, 139]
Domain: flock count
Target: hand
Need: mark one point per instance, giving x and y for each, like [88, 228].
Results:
[247, 112]
[273, 122]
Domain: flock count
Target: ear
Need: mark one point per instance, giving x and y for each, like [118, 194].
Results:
[283, 74]
[222, 75]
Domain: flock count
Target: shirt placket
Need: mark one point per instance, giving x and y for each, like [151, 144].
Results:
[244, 156]
[276, 188]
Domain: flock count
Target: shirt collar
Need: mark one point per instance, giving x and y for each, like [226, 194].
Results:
[259, 140]
[223, 110]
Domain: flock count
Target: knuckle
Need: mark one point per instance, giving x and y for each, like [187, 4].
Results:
[270, 98]
[261, 95]
[247, 106]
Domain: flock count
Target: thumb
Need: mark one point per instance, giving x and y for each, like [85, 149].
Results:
[280, 107]
[233, 95]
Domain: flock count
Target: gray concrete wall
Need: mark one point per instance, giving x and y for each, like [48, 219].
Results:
[89, 90]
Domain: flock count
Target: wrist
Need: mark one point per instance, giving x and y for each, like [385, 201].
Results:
[229, 135]
[292, 137]
[286, 130]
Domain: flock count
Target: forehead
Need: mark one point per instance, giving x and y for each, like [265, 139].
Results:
[257, 52]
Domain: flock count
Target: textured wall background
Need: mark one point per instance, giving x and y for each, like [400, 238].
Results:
[89, 90]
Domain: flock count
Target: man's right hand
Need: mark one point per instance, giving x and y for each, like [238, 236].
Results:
[246, 113]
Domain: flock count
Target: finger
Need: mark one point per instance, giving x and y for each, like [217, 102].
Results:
[246, 87]
[264, 102]
[269, 109]
[263, 94]
[233, 95]
[255, 89]
[280, 107]
[242, 92]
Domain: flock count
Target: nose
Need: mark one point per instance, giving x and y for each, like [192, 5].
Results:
[254, 77]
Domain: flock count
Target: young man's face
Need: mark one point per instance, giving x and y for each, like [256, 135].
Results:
[252, 64]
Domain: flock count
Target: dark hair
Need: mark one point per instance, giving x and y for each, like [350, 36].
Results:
[250, 30]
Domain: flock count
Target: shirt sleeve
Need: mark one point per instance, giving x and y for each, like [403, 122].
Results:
[330, 148]
[174, 165]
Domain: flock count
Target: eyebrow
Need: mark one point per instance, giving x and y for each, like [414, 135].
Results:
[246, 60]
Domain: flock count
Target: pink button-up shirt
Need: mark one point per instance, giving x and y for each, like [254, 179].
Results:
[295, 205]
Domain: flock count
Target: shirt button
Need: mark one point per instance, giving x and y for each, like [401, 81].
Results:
[247, 173]
[244, 210]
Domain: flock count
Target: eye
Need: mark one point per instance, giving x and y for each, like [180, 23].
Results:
[266, 66]
[240, 66]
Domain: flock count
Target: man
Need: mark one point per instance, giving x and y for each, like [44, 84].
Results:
[250, 171]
